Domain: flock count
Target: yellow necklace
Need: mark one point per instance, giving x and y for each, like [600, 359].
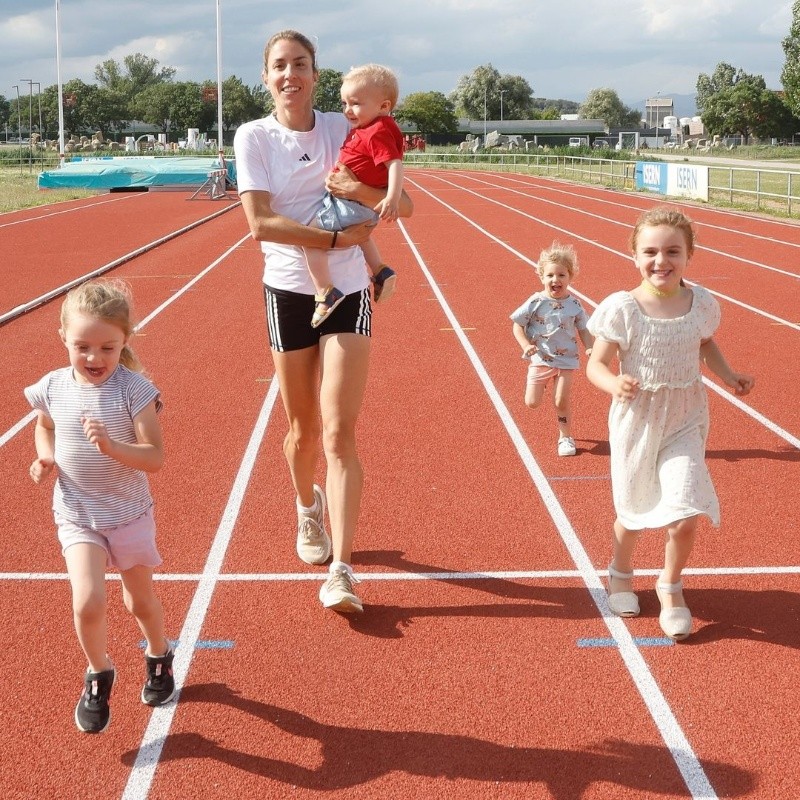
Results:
[648, 287]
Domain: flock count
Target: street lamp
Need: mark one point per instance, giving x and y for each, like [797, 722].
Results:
[30, 104]
[502, 92]
[485, 95]
[39, 98]
[19, 118]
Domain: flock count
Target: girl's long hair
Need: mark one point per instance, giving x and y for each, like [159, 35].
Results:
[110, 301]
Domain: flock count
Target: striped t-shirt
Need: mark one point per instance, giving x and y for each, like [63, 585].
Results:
[94, 490]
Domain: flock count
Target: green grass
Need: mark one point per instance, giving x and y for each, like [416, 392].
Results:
[18, 190]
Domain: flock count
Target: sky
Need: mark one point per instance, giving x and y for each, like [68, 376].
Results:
[639, 48]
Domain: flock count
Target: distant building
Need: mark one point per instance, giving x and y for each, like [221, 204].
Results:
[552, 132]
[656, 109]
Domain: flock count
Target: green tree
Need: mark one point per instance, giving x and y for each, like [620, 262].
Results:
[264, 104]
[605, 104]
[170, 106]
[431, 112]
[135, 74]
[549, 112]
[471, 95]
[480, 94]
[748, 109]
[109, 110]
[78, 98]
[724, 77]
[515, 99]
[790, 76]
[5, 111]
[328, 94]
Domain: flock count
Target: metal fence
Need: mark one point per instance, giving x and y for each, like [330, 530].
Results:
[750, 188]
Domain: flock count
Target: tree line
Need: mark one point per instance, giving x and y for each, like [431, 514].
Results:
[730, 101]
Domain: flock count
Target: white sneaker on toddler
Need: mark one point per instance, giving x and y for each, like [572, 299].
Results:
[566, 446]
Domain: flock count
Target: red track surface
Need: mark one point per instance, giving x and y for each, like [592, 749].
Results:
[454, 684]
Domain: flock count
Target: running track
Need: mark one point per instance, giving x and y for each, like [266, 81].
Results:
[486, 664]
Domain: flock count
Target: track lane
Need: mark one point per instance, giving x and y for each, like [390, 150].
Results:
[66, 245]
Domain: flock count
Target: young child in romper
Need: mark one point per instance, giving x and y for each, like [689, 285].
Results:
[545, 326]
[660, 332]
[373, 151]
[97, 431]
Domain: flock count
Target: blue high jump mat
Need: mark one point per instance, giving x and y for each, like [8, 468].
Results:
[133, 172]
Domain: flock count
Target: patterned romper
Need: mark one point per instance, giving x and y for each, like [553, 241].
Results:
[658, 470]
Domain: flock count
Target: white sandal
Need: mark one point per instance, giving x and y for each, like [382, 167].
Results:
[623, 604]
[675, 622]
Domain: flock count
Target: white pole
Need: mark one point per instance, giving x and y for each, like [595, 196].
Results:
[60, 88]
[219, 79]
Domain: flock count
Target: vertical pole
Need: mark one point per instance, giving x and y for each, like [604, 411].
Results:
[219, 80]
[60, 87]
[485, 92]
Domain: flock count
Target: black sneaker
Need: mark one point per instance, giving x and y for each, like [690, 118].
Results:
[92, 713]
[159, 688]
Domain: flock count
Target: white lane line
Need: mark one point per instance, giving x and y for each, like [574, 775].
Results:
[668, 726]
[143, 771]
[512, 574]
[19, 310]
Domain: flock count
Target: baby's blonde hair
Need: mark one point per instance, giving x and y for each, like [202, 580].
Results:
[563, 255]
[109, 300]
[377, 76]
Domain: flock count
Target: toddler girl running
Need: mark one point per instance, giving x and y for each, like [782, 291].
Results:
[97, 431]
[545, 326]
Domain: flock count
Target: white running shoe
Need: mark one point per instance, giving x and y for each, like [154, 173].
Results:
[313, 542]
[566, 446]
[337, 592]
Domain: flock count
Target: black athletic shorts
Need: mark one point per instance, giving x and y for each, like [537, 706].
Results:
[289, 318]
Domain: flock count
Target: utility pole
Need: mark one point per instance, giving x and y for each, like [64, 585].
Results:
[19, 118]
[502, 92]
[30, 119]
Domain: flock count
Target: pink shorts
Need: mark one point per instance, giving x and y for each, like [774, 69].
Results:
[539, 373]
[130, 545]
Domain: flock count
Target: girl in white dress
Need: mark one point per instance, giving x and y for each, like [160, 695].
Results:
[660, 332]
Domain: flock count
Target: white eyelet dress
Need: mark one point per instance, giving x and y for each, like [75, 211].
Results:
[658, 439]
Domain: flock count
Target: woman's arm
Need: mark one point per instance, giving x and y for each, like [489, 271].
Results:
[343, 183]
[268, 226]
[715, 361]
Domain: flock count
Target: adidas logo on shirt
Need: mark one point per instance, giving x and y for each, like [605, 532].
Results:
[305, 157]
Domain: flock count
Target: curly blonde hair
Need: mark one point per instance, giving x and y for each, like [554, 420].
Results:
[562, 255]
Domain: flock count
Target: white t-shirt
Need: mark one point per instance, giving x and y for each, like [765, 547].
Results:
[94, 490]
[292, 167]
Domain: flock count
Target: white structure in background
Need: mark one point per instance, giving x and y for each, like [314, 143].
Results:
[656, 110]
[193, 138]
